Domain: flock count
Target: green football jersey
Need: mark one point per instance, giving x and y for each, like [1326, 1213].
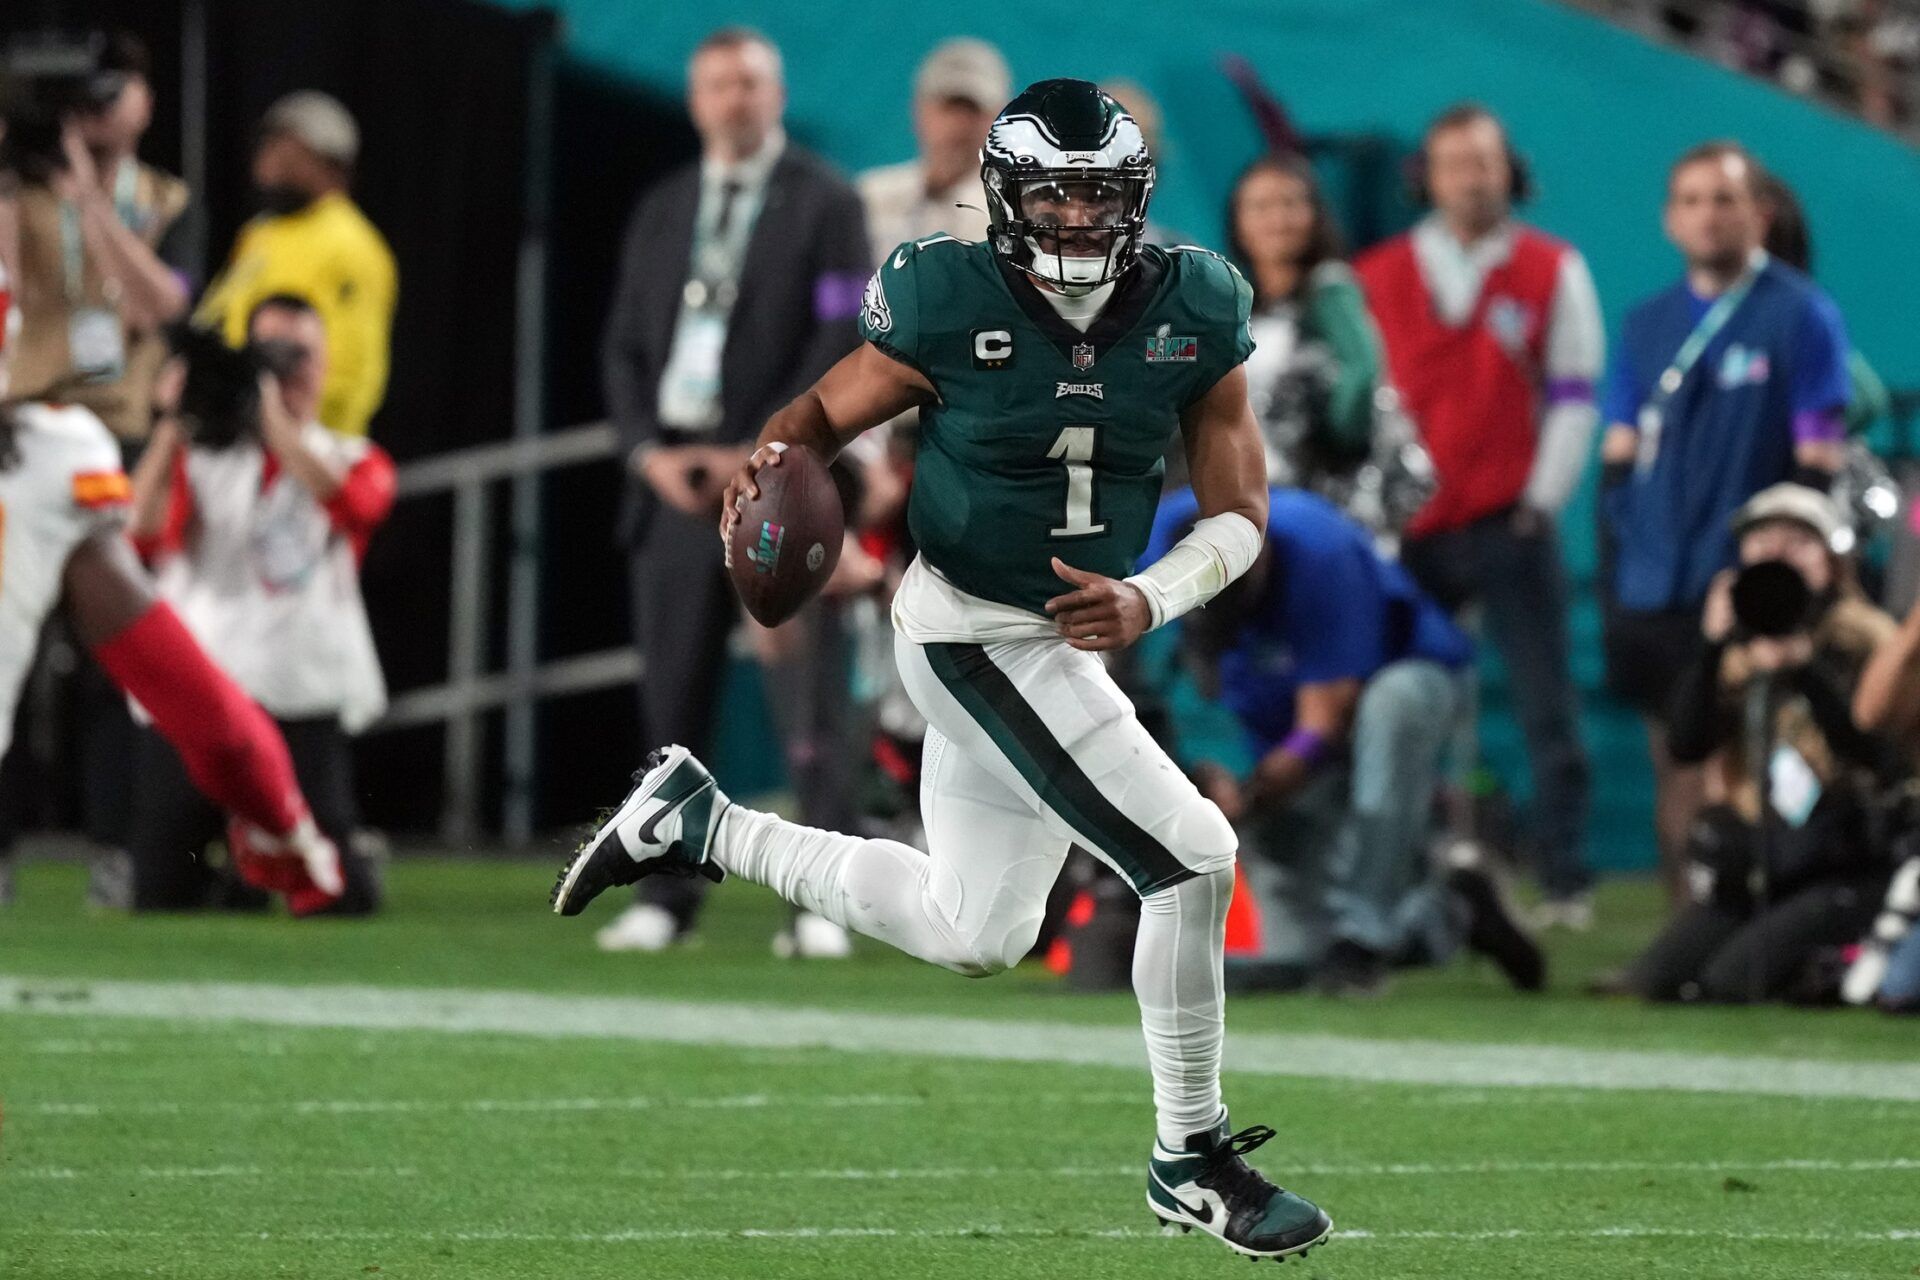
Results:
[1047, 441]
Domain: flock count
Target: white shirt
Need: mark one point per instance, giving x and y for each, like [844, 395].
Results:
[928, 609]
[900, 208]
[749, 172]
[271, 589]
[1455, 274]
[689, 393]
[65, 486]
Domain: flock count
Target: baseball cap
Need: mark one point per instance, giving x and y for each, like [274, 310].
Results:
[1803, 506]
[318, 120]
[965, 68]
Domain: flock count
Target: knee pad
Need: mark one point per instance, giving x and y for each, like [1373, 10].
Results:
[1012, 947]
[1200, 836]
[1006, 937]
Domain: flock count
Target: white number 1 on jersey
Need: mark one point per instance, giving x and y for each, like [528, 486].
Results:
[1074, 447]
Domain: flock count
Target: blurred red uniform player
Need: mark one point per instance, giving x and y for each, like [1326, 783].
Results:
[63, 498]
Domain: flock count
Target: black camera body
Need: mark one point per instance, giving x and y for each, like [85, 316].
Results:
[45, 79]
[220, 401]
[1771, 599]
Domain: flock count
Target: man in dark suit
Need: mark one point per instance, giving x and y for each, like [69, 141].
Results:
[740, 282]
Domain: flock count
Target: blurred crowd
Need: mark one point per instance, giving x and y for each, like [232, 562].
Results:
[1861, 54]
[1429, 408]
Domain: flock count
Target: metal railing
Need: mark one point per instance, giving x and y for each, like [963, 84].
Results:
[470, 691]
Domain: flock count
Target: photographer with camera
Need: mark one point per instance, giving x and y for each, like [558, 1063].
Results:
[100, 234]
[1783, 860]
[256, 516]
[1731, 379]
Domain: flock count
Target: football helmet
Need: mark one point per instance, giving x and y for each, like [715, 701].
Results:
[1068, 177]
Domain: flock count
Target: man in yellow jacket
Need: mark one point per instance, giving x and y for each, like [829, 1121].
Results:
[313, 242]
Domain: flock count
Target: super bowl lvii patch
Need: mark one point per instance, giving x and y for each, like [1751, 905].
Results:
[1169, 349]
[765, 554]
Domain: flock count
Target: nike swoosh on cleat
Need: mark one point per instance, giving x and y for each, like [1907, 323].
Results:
[1204, 1213]
[652, 824]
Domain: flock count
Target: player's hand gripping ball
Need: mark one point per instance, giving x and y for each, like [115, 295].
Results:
[782, 525]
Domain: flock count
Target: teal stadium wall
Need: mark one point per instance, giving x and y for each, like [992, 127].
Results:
[1600, 112]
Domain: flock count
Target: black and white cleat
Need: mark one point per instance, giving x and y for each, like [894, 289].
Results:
[665, 826]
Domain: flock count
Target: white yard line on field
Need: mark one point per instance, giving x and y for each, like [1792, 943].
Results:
[55, 1173]
[474, 1106]
[979, 1173]
[982, 1232]
[762, 1026]
[532, 1106]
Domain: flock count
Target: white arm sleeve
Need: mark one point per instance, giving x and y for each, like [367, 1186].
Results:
[1576, 351]
[1576, 337]
[1199, 566]
[1566, 434]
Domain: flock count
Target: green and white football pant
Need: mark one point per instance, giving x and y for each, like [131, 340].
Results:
[1031, 747]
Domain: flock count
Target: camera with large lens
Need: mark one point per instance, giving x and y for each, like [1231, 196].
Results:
[1771, 599]
[45, 80]
[220, 400]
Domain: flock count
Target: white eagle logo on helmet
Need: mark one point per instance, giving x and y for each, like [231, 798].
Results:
[1068, 176]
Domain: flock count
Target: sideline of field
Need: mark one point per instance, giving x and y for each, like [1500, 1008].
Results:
[1316, 1056]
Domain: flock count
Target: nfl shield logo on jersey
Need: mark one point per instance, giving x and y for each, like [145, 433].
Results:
[1083, 355]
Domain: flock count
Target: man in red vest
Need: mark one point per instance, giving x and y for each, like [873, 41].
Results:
[1493, 337]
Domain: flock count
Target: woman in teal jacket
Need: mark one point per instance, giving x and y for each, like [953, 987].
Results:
[1316, 361]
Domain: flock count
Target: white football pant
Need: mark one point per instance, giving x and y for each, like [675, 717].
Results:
[1032, 747]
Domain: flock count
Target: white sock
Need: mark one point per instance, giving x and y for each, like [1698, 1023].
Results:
[874, 887]
[880, 888]
[1178, 979]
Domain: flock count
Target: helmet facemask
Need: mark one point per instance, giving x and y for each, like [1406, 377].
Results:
[1080, 230]
[1068, 177]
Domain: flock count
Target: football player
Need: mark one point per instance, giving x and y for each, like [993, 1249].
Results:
[1051, 365]
[63, 499]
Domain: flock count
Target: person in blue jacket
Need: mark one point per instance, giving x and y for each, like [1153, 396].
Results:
[1344, 681]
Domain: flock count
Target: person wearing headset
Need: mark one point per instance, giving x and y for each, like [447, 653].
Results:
[1493, 336]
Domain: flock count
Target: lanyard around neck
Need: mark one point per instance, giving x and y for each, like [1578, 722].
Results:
[1706, 329]
[73, 245]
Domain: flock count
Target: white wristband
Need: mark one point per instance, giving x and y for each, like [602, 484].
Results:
[1199, 567]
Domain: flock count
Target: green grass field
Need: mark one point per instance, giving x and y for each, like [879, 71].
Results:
[249, 1146]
